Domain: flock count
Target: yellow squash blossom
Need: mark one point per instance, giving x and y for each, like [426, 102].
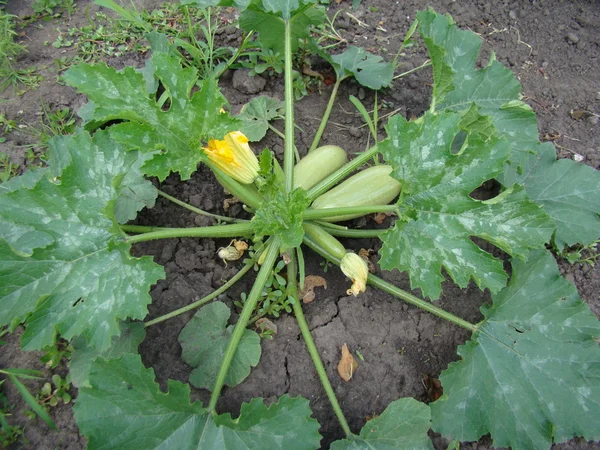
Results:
[234, 156]
[355, 268]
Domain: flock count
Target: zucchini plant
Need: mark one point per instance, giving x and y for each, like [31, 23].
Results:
[530, 374]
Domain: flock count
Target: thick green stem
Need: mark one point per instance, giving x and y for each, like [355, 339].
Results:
[312, 349]
[317, 139]
[288, 155]
[350, 233]
[204, 300]
[312, 214]
[240, 326]
[217, 231]
[198, 210]
[141, 228]
[396, 291]
[247, 193]
[341, 173]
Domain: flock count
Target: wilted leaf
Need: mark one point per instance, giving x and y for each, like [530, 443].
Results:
[310, 283]
[347, 365]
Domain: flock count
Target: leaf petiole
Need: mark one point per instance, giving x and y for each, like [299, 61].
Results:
[198, 210]
[216, 231]
[397, 292]
[312, 350]
[240, 326]
[203, 300]
[311, 214]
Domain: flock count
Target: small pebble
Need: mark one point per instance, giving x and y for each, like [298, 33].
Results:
[577, 157]
[573, 38]
[593, 120]
[361, 93]
[512, 14]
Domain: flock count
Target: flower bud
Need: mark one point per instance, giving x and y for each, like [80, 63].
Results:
[234, 156]
[355, 268]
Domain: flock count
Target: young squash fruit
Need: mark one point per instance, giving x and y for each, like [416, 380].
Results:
[372, 186]
[318, 165]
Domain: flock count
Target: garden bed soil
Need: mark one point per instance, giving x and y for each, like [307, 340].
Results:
[553, 47]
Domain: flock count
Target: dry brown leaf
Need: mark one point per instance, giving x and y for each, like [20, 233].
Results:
[380, 217]
[347, 365]
[433, 387]
[580, 114]
[310, 283]
[365, 254]
[265, 324]
[306, 70]
[228, 202]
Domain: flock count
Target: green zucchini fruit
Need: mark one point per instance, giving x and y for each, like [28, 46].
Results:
[324, 240]
[317, 165]
[372, 186]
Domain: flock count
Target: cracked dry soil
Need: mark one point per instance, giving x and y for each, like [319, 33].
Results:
[553, 46]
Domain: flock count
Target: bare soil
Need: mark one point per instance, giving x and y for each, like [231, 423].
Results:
[552, 46]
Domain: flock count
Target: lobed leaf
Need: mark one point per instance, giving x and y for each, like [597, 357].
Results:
[256, 115]
[568, 191]
[531, 375]
[369, 70]
[125, 399]
[74, 275]
[402, 426]
[270, 25]
[131, 335]
[494, 88]
[204, 340]
[438, 217]
[178, 133]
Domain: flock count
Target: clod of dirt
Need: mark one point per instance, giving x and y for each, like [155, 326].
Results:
[310, 283]
[347, 365]
[244, 83]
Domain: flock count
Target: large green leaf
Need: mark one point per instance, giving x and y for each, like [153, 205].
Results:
[177, 132]
[135, 192]
[438, 217]
[531, 374]
[568, 191]
[256, 115]
[270, 25]
[74, 275]
[458, 84]
[204, 341]
[125, 408]
[131, 335]
[368, 69]
[402, 426]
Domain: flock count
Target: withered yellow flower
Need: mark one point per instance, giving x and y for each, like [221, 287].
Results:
[355, 268]
[234, 156]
